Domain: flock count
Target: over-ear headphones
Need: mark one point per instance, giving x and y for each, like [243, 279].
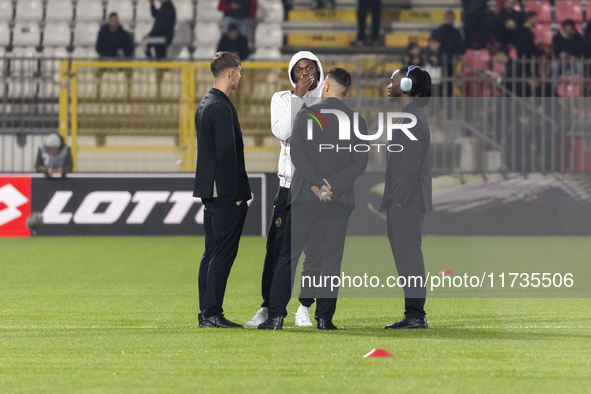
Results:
[406, 82]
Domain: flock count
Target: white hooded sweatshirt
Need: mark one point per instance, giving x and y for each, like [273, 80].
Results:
[284, 107]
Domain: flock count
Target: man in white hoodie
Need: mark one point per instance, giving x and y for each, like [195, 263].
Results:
[307, 77]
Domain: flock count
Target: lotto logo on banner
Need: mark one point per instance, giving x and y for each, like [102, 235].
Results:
[15, 206]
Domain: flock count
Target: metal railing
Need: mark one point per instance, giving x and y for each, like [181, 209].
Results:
[486, 115]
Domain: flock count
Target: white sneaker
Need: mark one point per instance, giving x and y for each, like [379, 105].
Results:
[258, 318]
[302, 317]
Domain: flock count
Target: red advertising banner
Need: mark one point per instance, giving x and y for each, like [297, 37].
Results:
[15, 206]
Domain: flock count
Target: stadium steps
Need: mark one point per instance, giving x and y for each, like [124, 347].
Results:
[332, 31]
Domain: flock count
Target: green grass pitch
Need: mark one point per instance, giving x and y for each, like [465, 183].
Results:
[118, 315]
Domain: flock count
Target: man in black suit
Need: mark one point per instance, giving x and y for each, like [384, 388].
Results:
[321, 196]
[407, 193]
[222, 184]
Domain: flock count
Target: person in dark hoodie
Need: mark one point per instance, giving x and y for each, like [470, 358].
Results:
[162, 33]
[113, 41]
[54, 158]
[452, 43]
[525, 44]
[235, 43]
[507, 24]
[568, 47]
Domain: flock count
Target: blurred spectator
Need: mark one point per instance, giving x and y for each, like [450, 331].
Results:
[414, 55]
[475, 23]
[435, 65]
[568, 42]
[237, 12]
[452, 43]
[160, 37]
[113, 41]
[54, 157]
[587, 40]
[363, 8]
[317, 4]
[525, 44]
[507, 23]
[234, 42]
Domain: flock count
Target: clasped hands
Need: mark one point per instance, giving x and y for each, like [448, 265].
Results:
[323, 192]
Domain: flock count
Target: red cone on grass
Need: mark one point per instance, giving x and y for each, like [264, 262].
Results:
[446, 272]
[379, 353]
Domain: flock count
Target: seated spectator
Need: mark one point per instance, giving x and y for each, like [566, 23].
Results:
[237, 12]
[568, 42]
[54, 157]
[452, 43]
[113, 41]
[476, 29]
[162, 33]
[234, 42]
[525, 44]
[414, 55]
[507, 23]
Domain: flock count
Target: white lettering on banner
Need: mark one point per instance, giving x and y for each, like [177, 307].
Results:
[345, 125]
[117, 202]
[183, 201]
[12, 198]
[146, 201]
[53, 212]
[402, 126]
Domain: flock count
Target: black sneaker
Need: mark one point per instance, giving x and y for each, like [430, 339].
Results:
[409, 322]
[325, 324]
[272, 323]
[218, 321]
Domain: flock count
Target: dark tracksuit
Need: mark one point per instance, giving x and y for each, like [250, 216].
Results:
[408, 184]
[220, 166]
[340, 169]
[162, 33]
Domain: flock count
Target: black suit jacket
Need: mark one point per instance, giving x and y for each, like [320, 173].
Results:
[340, 168]
[220, 149]
[410, 170]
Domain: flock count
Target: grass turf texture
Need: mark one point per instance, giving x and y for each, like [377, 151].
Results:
[119, 315]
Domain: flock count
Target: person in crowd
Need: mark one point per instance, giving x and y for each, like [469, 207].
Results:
[54, 157]
[162, 33]
[507, 23]
[476, 29]
[568, 47]
[436, 62]
[414, 55]
[452, 43]
[113, 41]
[237, 12]
[568, 42]
[525, 44]
[363, 8]
[235, 43]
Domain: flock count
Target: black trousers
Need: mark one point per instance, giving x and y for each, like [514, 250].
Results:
[158, 50]
[476, 27]
[275, 240]
[223, 221]
[332, 220]
[363, 8]
[405, 232]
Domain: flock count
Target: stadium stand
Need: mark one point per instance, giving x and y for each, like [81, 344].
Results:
[26, 33]
[569, 9]
[89, 11]
[57, 34]
[29, 10]
[6, 10]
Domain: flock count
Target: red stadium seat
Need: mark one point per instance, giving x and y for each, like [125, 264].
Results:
[542, 33]
[569, 9]
[540, 7]
[475, 60]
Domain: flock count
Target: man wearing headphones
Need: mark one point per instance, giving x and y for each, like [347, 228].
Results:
[407, 193]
